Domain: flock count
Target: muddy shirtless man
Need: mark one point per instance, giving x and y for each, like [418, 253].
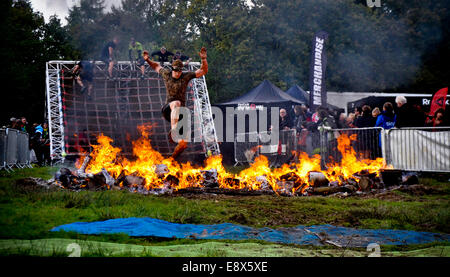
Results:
[176, 82]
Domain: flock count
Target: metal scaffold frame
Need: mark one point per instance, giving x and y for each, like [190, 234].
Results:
[54, 111]
[203, 109]
[55, 116]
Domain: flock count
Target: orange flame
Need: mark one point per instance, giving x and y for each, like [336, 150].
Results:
[349, 164]
[258, 176]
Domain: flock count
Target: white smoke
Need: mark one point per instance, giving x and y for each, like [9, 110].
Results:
[61, 7]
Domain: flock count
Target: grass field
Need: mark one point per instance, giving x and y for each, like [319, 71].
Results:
[29, 213]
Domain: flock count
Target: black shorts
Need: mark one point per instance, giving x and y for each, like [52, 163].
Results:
[140, 61]
[106, 60]
[166, 111]
[87, 76]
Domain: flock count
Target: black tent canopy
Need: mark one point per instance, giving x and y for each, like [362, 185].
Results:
[265, 93]
[297, 92]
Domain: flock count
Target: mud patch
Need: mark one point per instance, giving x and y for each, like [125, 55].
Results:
[239, 218]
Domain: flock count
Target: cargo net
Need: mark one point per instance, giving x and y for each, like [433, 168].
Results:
[117, 108]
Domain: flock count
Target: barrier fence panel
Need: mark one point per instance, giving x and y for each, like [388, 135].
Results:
[280, 152]
[23, 150]
[3, 149]
[14, 149]
[11, 147]
[247, 146]
[419, 149]
[365, 141]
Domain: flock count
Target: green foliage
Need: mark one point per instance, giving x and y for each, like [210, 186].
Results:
[380, 49]
[402, 46]
[27, 44]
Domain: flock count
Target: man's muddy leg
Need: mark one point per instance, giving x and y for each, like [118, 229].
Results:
[174, 114]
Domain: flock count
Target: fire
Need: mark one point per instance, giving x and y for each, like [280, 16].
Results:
[292, 177]
[349, 164]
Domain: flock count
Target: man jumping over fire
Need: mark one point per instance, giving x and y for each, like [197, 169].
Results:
[176, 82]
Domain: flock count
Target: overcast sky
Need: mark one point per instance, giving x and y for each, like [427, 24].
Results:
[61, 7]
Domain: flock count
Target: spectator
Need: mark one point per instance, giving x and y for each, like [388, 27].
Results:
[107, 55]
[315, 116]
[24, 127]
[358, 112]
[308, 113]
[376, 112]
[438, 119]
[366, 119]
[45, 144]
[312, 126]
[285, 121]
[325, 119]
[350, 122]
[298, 118]
[284, 124]
[36, 143]
[387, 118]
[163, 55]
[326, 122]
[17, 124]
[300, 122]
[183, 58]
[84, 74]
[421, 116]
[334, 113]
[342, 121]
[12, 123]
[407, 115]
[135, 52]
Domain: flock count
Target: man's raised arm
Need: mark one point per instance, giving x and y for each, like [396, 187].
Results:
[204, 68]
[156, 66]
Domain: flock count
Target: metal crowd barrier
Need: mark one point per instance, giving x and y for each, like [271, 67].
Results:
[23, 150]
[3, 149]
[413, 149]
[14, 149]
[247, 146]
[418, 149]
[367, 143]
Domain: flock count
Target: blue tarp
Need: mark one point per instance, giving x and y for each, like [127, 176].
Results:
[303, 235]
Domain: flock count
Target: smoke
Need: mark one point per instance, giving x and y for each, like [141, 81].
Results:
[57, 5]
[382, 54]
[366, 51]
[110, 3]
[377, 53]
[61, 7]
[52, 7]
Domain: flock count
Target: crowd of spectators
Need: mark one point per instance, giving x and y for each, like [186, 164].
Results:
[402, 115]
[39, 140]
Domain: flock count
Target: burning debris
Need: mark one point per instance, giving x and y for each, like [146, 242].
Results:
[151, 173]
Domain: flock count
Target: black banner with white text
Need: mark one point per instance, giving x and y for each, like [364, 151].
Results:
[317, 89]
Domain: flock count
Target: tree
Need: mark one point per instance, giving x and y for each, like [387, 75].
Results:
[28, 43]
[86, 27]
